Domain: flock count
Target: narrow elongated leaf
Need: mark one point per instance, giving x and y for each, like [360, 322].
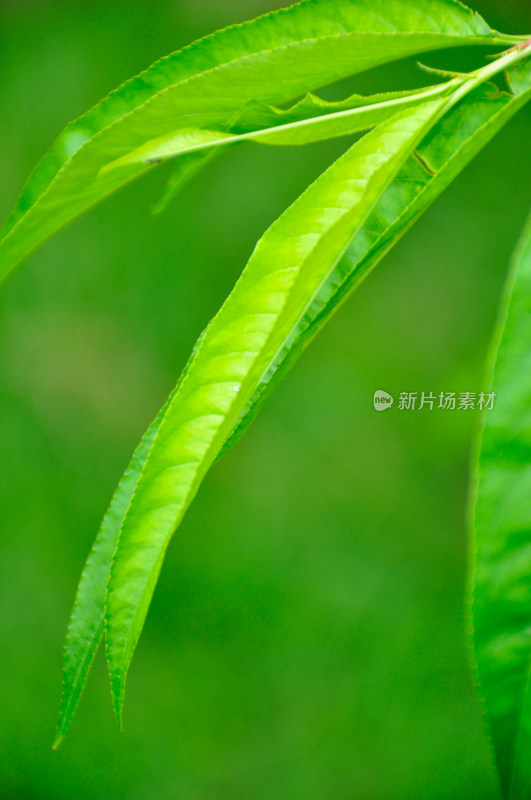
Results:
[85, 629]
[447, 148]
[445, 151]
[285, 271]
[502, 522]
[187, 167]
[86, 625]
[257, 116]
[273, 58]
[310, 120]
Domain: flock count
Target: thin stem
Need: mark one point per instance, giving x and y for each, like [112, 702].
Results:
[503, 38]
[262, 134]
[479, 76]
[463, 84]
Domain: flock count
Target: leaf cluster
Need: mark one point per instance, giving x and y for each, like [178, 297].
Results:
[257, 82]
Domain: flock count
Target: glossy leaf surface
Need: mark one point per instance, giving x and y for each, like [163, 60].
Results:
[86, 626]
[286, 270]
[310, 120]
[85, 629]
[271, 59]
[445, 151]
[282, 127]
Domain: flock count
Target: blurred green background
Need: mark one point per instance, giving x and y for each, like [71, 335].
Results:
[306, 638]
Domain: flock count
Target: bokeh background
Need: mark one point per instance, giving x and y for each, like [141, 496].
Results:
[306, 638]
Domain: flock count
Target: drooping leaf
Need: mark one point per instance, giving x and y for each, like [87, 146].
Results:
[257, 116]
[186, 167]
[446, 150]
[86, 625]
[283, 275]
[454, 141]
[502, 537]
[310, 120]
[85, 629]
[272, 59]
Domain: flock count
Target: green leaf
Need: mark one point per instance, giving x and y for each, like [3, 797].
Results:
[502, 545]
[310, 120]
[85, 629]
[446, 150]
[452, 142]
[272, 59]
[280, 281]
[186, 168]
[86, 626]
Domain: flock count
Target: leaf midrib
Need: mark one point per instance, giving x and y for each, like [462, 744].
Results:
[259, 133]
[219, 67]
[132, 637]
[341, 256]
[384, 243]
[94, 641]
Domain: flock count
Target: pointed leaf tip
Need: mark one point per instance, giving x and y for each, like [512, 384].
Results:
[289, 265]
[57, 741]
[274, 58]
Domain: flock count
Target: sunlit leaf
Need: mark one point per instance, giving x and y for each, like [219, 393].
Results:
[271, 59]
[85, 629]
[310, 120]
[286, 270]
[445, 151]
[300, 123]
[439, 157]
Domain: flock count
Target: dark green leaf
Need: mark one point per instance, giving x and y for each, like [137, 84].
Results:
[186, 167]
[502, 549]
